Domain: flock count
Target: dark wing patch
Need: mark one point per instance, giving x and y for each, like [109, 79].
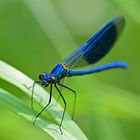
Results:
[97, 46]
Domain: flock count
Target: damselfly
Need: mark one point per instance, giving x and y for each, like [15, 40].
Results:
[89, 53]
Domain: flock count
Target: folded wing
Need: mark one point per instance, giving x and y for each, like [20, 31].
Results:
[97, 46]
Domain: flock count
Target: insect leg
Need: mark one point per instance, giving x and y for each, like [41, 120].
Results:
[35, 82]
[65, 104]
[73, 112]
[60, 89]
[45, 106]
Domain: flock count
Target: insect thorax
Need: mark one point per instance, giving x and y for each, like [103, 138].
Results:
[59, 71]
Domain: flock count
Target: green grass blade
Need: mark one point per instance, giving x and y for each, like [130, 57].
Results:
[9, 101]
[17, 78]
[52, 25]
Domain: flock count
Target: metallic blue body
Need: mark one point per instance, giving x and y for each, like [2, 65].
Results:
[59, 72]
[97, 69]
[97, 46]
[89, 53]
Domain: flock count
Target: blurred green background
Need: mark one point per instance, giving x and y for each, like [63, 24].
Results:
[37, 34]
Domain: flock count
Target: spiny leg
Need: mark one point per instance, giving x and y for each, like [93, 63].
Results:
[73, 112]
[45, 106]
[65, 104]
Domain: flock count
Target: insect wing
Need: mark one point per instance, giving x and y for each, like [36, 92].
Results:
[97, 46]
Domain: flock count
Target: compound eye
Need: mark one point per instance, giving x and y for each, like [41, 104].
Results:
[41, 76]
